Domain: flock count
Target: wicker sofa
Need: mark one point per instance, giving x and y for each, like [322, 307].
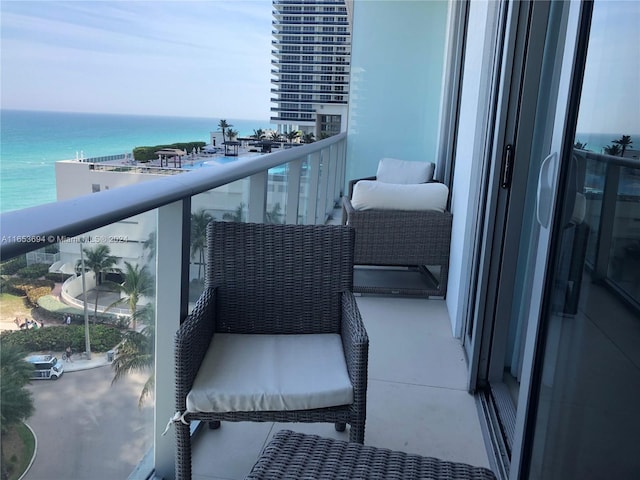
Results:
[417, 239]
[271, 283]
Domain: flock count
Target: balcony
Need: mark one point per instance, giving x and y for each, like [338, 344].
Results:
[417, 402]
[417, 375]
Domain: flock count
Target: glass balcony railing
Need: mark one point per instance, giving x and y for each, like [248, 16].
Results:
[611, 189]
[152, 229]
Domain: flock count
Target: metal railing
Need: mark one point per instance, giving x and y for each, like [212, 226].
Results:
[32, 228]
[611, 187]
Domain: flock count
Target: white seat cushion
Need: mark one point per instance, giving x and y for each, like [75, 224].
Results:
[243, 373]
[393, 170]
[373, 195]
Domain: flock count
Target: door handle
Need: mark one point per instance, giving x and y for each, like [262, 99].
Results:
[546, 190]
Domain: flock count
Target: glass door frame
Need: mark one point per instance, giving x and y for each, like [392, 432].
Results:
[526, 38]
[575, 34]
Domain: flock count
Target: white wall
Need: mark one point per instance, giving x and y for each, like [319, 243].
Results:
[396, 76]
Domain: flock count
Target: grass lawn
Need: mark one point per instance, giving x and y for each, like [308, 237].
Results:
[18, 447]
[12, 306]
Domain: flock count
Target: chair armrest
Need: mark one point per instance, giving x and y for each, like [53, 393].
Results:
[353, 182]
[191, 344]
[355, 343]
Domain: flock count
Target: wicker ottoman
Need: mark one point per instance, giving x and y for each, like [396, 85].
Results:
[297, 456]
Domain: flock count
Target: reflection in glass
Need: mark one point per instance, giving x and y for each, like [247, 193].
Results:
[587, 419]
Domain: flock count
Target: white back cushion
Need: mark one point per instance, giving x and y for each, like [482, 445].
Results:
[392, 170]
[368, 195]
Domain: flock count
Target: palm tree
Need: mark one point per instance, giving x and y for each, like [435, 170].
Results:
[275, 215]
[136, 352]
[623, 142]
[231, 133]
[223, 126]
[580, 146]
[275, 136]
[308, 137]
[258, 134]
[291, 136]
[150, 245]
[612, 150]
[98, 260]
[16, 401]
[237, 216]
[138, 282]
[199, 222]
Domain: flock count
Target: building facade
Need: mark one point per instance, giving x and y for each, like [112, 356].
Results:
[311, 66]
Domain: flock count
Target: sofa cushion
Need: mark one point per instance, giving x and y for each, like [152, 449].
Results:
[369, 195]
[392, 170]
[243, 373]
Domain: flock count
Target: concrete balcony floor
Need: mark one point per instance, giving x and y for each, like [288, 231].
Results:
[417, 399]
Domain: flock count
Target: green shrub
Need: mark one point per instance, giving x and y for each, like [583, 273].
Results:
[145, 154]
[57, 338]
[34, 294]
[21, 286]
[13, 265]
[52, 248]
[36, 270]
[57, 277]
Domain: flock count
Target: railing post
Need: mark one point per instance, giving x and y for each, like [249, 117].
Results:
[293, 192]
[324, 185]
[257, 196]
[607, 220]
[172, 289]
[314, 184]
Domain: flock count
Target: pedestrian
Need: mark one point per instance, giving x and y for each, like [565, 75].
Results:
[68, 352]
[68, 320]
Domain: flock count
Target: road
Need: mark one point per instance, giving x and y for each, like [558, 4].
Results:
[88, 429]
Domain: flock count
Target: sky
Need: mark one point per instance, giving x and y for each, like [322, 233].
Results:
[610, 102]
[179, 58]
[212, 58]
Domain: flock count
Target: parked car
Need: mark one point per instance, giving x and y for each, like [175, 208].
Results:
[46, 367]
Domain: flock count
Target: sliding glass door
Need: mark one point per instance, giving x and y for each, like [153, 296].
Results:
[559, 355]
[583, 420]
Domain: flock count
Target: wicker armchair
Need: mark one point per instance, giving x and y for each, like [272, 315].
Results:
[279, 281]
[401, 238]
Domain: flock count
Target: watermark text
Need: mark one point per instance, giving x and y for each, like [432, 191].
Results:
[97, 239]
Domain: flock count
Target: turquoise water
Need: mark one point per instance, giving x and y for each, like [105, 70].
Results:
[31, 143]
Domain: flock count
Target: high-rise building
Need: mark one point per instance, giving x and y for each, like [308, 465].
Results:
[312, 52]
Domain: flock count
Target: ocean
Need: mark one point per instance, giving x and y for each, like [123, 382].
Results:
[31, 142]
